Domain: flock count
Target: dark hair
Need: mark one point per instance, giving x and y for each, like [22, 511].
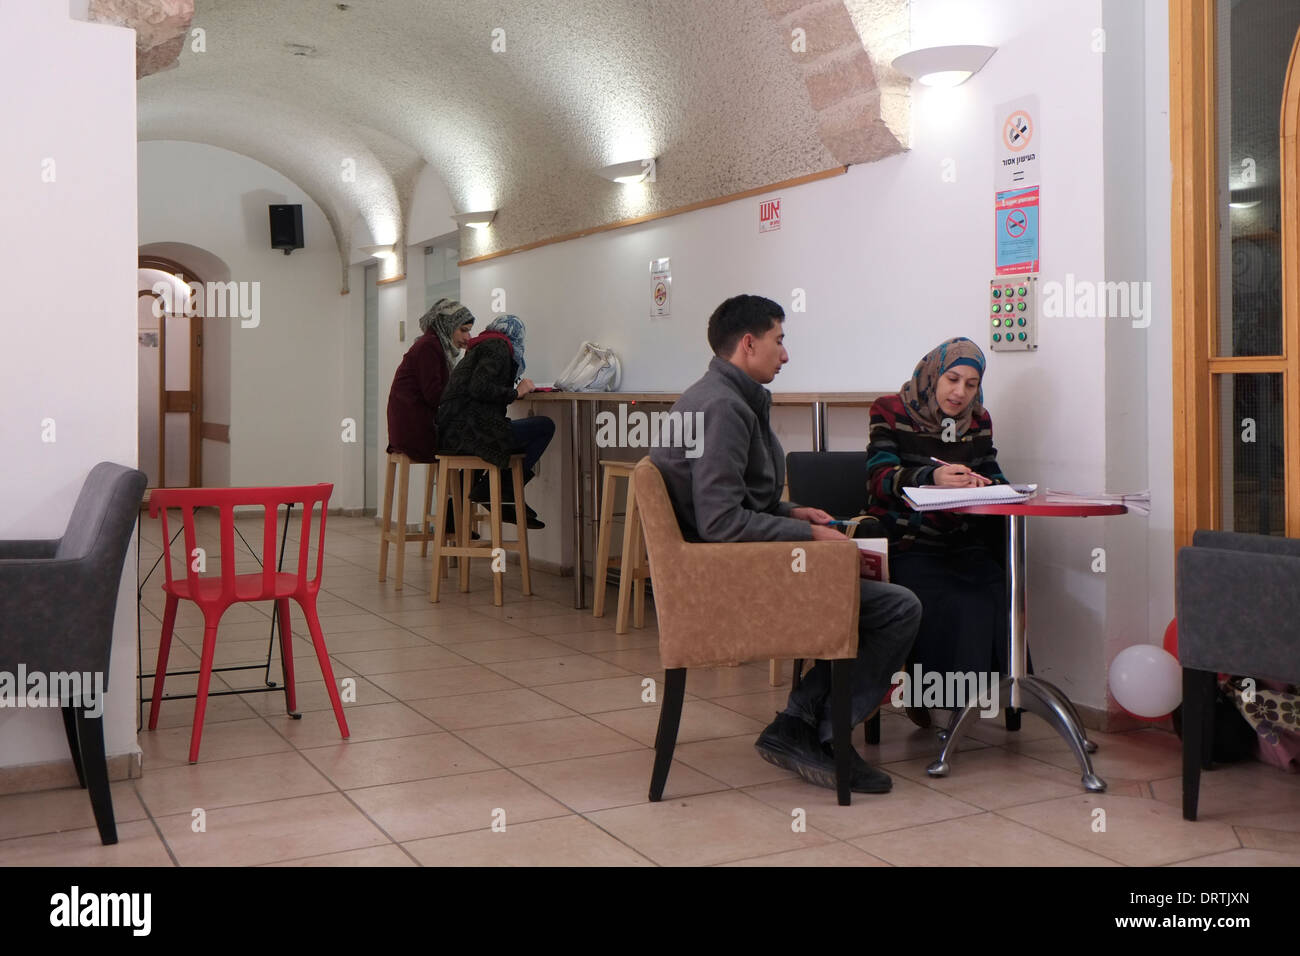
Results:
[738, 316]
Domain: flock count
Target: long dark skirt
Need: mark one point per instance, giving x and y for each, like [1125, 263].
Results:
[964, 608]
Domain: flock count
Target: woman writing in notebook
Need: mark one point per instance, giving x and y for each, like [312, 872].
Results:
[935, 431]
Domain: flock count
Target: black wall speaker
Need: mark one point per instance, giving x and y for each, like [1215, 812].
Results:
[286, 227]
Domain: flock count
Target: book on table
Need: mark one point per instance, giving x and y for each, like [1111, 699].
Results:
[934, 498]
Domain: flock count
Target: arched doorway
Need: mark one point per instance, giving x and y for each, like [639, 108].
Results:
[170, 353]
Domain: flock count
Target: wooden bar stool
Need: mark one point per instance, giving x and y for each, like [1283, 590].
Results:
[633, 565]
[456, 471]
[394, 530]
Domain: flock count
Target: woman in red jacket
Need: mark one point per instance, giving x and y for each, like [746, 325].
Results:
[418, 385]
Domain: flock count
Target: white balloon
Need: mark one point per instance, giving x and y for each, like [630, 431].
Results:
[1146, 680]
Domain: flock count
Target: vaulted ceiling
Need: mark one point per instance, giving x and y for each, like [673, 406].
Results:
[516, 103]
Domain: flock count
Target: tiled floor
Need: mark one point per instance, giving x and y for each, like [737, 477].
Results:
[519, 735]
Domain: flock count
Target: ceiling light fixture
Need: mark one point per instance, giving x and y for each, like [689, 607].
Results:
[475, 220]
[633, 171]
[943, 65]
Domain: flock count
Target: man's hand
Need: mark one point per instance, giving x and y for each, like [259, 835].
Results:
[822, 533]
[811, 515]
[525, 386]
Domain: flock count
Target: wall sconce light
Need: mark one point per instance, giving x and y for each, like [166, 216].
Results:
[943, 65]
[1246, 198]
[380, 252]
[475, 220]
[633, 171]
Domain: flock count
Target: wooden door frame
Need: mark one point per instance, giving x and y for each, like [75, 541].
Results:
[1193, 146]
[195, 477]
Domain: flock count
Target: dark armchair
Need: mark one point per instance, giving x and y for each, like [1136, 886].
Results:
[1238, 601]
[58, 599]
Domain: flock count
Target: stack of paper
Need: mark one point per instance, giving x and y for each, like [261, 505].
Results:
[1138, 502]
[934, 498]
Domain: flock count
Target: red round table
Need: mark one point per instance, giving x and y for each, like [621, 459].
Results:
[1018, 688]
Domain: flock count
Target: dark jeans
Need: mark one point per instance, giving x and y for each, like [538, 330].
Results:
[531, 436]
[887, 625]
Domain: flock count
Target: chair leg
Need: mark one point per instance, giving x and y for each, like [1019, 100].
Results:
[601, 568]
[627, 565]
[453, 501]
[463, 529]
[164, 649]
[387, 513]
[798, 674]
[323, 658]
[1198, 702]
[873, 729]
[521, 510]
[1013, 719]
[286, 657]
[201, 694]
[494, 488]
[70, 730]
[90, 733]
[426, 510]
[440, 533]
[403, 487]
[670, 718]
[840, 739]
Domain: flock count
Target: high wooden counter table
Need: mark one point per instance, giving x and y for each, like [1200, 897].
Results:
[582, 437]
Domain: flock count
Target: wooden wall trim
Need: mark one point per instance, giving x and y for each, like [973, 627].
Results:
[1289, 156]
[211, 431]
[664, 214]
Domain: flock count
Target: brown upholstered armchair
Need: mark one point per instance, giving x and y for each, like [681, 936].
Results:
[724, 603]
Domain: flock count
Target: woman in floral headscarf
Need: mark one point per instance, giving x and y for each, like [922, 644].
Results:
[949, 560]
[421, 377]
[472, 419]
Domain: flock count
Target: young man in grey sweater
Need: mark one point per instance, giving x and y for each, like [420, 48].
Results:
[729, 489]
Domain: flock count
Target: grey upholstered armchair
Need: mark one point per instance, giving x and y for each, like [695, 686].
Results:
[58, 599]
[1238, 604]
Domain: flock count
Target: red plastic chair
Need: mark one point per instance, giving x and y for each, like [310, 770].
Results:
[215, 594]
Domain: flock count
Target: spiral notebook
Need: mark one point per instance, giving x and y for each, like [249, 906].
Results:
[931, 498]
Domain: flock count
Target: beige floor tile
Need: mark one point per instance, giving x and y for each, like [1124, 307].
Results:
[595, 696]
[535, 609]
[369, 763]
[983, 840]
[704, 830]
[573, 622]
[761, 706]
[472, 801]
[485, 630]
[567, 841]
[639, 660]
[907, 805]
[387, 855]
[346, 624]
[431, 615]
[993, 778]
[1244, 857]
[541, 741]
[265, 832]
[137, 844]
[52, 811]
[901, 740]
[1260, 838]
[494, 707]
[516, 649]
[613, 780]
[223, 741]
[1239, 794]
[731, 760]
[225, 783]
[832, 854]
[1138, 832]
[445, 682]
[313, 696]
[591, 642]
[701, 720]
[382, 639]
[712, 682]
[559, 670]
[400, 659]
[1142, 755]
[993, 730]
[180, 713]
[374, 722]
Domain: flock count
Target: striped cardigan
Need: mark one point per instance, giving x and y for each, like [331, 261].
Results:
[898, 457]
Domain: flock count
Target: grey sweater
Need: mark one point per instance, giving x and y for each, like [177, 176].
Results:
[732, 490]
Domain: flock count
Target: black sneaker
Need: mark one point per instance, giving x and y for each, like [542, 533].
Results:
[792, 745]
[508, 516]
[863, 778]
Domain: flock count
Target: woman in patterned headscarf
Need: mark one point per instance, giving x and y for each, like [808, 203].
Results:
[421, 377]
[472, 419]
[951, 561]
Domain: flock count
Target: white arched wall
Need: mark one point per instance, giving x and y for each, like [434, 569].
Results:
[288, 392]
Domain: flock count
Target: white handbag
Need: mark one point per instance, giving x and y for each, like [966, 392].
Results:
[593, 369]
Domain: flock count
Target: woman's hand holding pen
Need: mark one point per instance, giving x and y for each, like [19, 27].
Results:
[957, 476]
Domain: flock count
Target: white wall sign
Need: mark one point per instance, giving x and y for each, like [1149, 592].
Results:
[661, 288]
[769, 215]
[1019, 143]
